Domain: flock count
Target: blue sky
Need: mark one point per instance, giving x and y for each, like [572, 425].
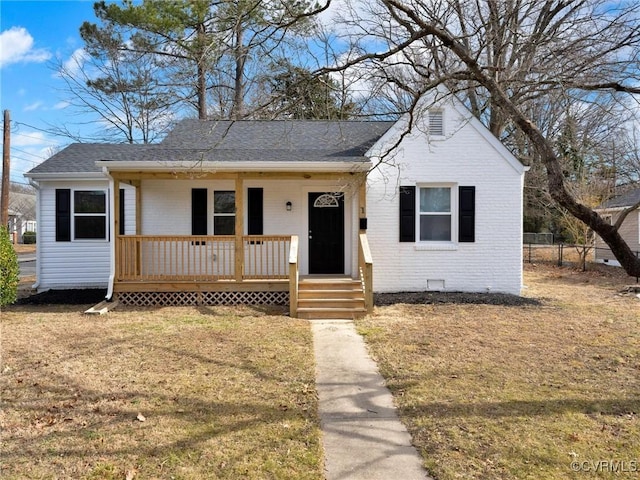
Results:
[33, 35]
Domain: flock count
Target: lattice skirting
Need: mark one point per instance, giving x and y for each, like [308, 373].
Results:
[165, 299]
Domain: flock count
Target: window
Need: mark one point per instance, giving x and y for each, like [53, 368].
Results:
[436, 123]
[435, 214]
[441, 210]
[224, 216]
[90, 214]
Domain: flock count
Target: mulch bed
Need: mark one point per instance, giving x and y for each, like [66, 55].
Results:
[78, 296]
[419, 298]
[86, 296]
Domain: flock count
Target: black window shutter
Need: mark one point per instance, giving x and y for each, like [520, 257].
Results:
[122, 210]
[467, 214]
[63, 215]
[408, 214]
[198, 211]
[254, 211]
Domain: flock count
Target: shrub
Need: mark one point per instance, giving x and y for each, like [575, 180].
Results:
[9, 272]
[29, 238]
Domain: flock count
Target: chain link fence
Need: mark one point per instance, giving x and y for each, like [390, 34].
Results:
[561, 254]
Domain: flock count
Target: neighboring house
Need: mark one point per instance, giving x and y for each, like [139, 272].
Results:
[315, 213]
[22, 214]
[629, 230]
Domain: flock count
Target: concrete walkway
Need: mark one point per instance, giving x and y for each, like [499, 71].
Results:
[362, 435]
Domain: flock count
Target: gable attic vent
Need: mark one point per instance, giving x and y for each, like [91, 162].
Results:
[436, 123]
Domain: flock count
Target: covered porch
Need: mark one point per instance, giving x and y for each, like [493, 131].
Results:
[151, 267]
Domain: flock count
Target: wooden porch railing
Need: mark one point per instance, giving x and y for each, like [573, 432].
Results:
[365, 266]
[153, 258]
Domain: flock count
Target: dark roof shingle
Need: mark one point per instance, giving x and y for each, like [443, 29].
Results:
[626, 199]
[229, 141]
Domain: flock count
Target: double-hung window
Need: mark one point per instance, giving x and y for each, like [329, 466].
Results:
[435, 214]
[224, 212]
[90, 214]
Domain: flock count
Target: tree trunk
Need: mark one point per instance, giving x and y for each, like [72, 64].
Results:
[201, 87]
[237, 109]
[555, 177]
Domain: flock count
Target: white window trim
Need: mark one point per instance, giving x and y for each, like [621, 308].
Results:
[438, 244]
[105, 215]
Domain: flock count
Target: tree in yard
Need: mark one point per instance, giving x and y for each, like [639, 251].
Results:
[122, 89]
[295, 92]
[518, 65]
[206, 47]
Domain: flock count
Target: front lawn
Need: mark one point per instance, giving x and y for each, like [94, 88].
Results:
[519, 392]
[180, 393]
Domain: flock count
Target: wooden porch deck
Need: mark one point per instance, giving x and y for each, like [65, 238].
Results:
[207, 269]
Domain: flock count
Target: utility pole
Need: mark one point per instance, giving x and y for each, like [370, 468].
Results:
[4, 203]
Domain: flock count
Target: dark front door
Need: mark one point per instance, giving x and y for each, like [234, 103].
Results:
[326, 233]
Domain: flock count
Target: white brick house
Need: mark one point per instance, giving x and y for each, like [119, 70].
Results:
[260, 210]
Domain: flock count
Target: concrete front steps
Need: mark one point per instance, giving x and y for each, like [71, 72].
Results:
[330, 298]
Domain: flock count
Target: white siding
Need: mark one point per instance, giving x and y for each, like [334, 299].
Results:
[463, 157]
[166, 209]
[78, 263]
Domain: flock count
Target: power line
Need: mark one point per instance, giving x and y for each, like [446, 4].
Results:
[32, 162]
[24, 151]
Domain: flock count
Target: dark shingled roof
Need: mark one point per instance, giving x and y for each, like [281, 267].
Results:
[82, 157]
[630, 197]
[228, 141]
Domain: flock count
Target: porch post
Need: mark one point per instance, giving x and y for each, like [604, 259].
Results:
[116, 225]
[137, 185]
[362, 199]
[239, 228]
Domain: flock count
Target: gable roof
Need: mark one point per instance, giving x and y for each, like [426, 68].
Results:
[626, 199]
[437, 98]
[195, 140]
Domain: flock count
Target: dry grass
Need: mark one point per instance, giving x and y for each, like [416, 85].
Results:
[496, 392]
[225, 393]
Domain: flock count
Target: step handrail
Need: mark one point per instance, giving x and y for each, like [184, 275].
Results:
[365, 265]
[293, 277]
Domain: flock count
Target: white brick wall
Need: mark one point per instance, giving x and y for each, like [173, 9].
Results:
[462, 157]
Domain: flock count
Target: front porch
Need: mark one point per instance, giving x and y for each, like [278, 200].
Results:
[158, 269]
[222, 270]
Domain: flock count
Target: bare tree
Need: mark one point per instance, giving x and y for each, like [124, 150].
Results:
[517, 64]
[121, 90]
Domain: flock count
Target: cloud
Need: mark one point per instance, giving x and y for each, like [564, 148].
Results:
[61, 105]
[16, 46]
[30, 138]
[75, 62]
[33, 106]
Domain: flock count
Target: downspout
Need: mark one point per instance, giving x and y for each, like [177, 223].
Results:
[36, 186]
[112, 235]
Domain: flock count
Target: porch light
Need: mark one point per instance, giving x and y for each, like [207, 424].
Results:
[289, 206]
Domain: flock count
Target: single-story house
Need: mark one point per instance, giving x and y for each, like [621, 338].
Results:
[629, 230]
[317, 214]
